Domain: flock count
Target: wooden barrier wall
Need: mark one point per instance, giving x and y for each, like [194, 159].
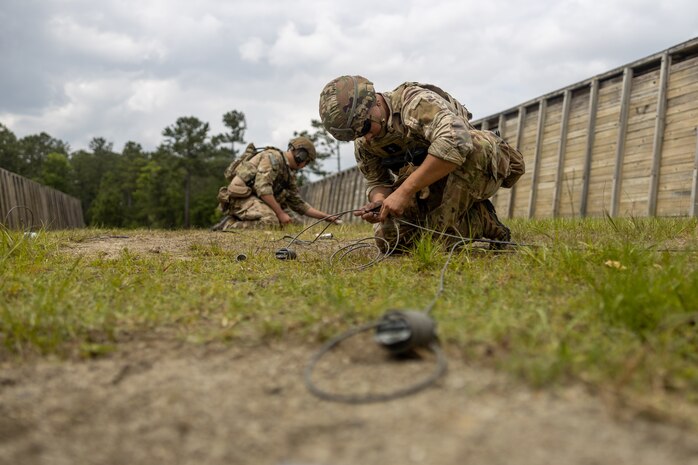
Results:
[345, 190]
[622, 143]
[27, 204]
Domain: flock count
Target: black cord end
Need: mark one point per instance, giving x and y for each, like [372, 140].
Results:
[400, 331]
[285, 254]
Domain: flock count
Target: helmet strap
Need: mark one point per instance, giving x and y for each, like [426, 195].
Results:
[299, 155]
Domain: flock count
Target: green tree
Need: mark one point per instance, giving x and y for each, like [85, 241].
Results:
[34, 149]
[325, 147]
[90, 166]
[325, 144]
[129, 166]
[9, 150]
[158, 191]
[108, 207]
[57, 172]
[237, 125]
[188, 140]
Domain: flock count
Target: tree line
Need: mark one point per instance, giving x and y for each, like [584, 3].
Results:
[173, 186]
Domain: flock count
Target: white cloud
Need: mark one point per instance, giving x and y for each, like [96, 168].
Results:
[253, 49]
[126, 69]
[150, 94]
[118, 47]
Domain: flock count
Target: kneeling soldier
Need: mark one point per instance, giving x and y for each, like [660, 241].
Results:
[263, 185]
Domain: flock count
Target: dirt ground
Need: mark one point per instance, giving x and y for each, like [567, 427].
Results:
[160, 401]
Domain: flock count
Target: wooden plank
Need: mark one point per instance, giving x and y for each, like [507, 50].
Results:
[620, 143]
[518, 145]
[547, 162]
[658, 134]
[542, 105]
[527, 148]
[502, 204]
[694, 184]
[637, 151]
[562, 144]
[591, 131]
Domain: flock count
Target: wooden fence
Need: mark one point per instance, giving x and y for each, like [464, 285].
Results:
[27, 204]
[621, 143]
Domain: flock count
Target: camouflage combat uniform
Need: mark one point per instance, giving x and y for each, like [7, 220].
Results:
[267, 173]
[423, 119]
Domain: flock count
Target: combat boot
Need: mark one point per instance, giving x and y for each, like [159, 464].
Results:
[492, 228]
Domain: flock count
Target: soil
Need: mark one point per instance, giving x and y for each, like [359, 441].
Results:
[156, 400]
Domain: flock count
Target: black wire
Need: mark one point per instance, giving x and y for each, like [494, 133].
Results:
[31, 213]
[359, 244]
[294, 239]
[440, 289]
[441, 366]
[463, 239]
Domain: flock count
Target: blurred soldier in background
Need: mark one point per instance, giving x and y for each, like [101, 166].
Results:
[263, 185]
[422, 159]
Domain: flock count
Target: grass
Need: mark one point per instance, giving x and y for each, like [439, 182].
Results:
[611, 303]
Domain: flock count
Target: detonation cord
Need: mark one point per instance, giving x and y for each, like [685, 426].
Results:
[441, 366]
[432, 345]
[342, 252]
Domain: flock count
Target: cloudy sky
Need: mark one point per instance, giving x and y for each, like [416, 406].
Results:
[126, 69]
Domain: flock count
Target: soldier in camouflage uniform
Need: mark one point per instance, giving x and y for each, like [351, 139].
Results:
[422, 159]
[263, 186]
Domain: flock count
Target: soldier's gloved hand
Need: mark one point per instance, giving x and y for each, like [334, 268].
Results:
[370, 212]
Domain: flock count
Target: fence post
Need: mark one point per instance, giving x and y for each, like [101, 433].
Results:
[620, 143]
[659, 126]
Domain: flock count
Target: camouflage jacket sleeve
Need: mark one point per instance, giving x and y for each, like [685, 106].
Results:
[442, 123]
[371, 168]
[293, 199]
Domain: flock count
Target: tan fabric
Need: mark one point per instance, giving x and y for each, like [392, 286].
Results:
[425, 119]
[266, 173]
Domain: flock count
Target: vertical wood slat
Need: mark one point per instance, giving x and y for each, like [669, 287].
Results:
[659, 127]
[348, 193]
[542, 108]
[591, 130]
[500, 128]
[561, 152]
[519, 139]
[694, 186]
[338, 192]
[620, 143]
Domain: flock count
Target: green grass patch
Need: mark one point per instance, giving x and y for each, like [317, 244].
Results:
[610, 302]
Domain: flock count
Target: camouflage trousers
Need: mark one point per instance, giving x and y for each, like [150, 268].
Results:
[458, 204]
[247, 212]
[455, 205]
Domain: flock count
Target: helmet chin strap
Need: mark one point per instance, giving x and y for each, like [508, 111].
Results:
[382, 120]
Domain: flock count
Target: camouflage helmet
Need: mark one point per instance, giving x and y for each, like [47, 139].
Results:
[344, 106]
[303, 144]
